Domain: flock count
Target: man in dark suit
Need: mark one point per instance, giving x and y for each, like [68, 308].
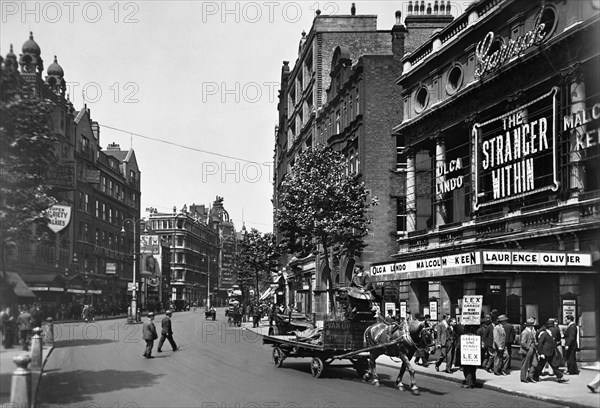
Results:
[166, 332]
[546, 347]
[149, 335]
[445, 342]
[510, 339]
[571, 345]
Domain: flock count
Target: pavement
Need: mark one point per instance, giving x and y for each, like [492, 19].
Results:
[573, 393]
[7, 367]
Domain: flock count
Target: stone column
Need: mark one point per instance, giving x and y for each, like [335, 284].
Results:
[411, 191]
[574, 79]
[440, 177]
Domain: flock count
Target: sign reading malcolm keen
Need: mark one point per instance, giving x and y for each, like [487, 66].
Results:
[484, 257]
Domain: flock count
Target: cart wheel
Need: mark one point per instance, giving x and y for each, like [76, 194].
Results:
[317, 367]
[239, 323]
[278, 356]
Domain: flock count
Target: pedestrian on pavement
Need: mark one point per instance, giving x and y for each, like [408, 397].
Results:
[500, 345]
[166, 332]
[445, 343]
[25, 323]
[595, 384]
[486, 331]
[527, 351]
[423, 354]
[510, 339]
[469, 370]
[571, 346]
[149, 334]
[547, 351]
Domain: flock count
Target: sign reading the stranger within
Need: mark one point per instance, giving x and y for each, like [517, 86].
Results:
[58, 217]
[470, 349]
[471, 309]
[516, 153]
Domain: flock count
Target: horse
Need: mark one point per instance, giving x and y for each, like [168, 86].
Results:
[402, 342]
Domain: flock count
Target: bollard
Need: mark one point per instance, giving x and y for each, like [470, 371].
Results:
[49, 332]
[36, 349]
[20, 390]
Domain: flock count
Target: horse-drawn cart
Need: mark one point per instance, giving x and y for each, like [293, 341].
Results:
[341, 340]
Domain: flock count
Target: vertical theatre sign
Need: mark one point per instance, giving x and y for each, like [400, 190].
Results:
[516, 154]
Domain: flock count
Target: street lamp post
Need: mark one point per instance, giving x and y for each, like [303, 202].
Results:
[133, 317]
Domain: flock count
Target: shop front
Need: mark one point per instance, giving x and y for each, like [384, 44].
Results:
[519, 283]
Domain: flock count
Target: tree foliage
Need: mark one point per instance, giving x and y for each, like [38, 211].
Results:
[26, 152]
[257, 258]
[321, 204]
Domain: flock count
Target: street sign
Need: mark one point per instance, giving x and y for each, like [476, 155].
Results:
[130, 286]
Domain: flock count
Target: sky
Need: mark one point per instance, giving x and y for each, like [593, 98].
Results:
[191, 86]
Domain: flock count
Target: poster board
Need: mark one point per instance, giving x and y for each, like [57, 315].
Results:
[470, 349]
[433, 310]
[403, 309]
[569, 308]
[390, 306]
[471, 310]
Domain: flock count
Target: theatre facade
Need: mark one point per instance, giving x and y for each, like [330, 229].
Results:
[499, 138]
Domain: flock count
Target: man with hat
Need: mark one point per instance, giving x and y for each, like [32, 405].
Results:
[571, 345]
[166, 332]
[149, 335]
[527, 351]
[500, 345]
[546, 347]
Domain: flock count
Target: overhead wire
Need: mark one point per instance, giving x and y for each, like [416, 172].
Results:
[178, 145]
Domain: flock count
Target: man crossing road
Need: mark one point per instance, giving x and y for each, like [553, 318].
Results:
[166, 332]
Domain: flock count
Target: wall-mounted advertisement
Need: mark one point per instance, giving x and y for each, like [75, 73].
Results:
[516, 153]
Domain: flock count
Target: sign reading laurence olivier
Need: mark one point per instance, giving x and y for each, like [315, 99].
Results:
[516, 153]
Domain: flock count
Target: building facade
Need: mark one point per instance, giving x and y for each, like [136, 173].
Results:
[500, 142]
[341, 93]
[202, 244]
[82, 257]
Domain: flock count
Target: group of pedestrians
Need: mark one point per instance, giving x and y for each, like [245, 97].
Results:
[149, 333]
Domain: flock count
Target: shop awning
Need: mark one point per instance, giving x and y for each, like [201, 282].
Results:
[18, 285]
[267, 293]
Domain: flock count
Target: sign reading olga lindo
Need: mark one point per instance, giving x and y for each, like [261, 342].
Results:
[516, 153]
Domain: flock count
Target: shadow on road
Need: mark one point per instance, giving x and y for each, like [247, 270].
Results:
[81, 385]
[81, 342]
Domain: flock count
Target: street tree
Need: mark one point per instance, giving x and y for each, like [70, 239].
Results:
[256, 260]
[27, 145]
[321, 204]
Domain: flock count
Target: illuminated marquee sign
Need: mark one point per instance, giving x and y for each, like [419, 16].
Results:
[447, 178]
[486, 257]
[516, 153]
[588, 129]
[488, 61]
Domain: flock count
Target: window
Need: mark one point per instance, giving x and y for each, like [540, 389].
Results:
[400, 153]
[85, 144]
[103, 212]
[110, 187]
[421, 99]
[97, 237]
[110, 215]
[357, 103]
[97, 209]
[454, 79]
[81, 201]
[180, 241]
[401, 214]
[103, 184]
[338, 124]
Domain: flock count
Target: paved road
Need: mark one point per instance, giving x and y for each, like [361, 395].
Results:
[101, 365]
